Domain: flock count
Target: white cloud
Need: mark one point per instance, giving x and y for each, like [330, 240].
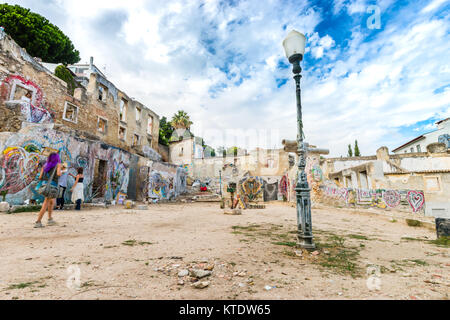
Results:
[434, 4]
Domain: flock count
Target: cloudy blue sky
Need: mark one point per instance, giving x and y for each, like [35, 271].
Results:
[223, 62]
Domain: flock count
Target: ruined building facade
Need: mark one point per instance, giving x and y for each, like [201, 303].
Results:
[100, 128]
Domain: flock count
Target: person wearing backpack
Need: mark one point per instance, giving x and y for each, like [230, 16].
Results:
[49, 176]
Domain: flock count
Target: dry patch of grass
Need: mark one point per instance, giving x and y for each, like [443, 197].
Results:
[334, 252]
[133, 243]
[442, 242]
[413, 223]
[340, 257]
[23, 285]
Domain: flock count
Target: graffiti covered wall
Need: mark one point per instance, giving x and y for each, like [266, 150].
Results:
[13, 89]
[163, 181]
[22, 154]
[412, 200]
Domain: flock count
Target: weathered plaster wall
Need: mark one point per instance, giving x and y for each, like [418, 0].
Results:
[182, 152]
[403, 200]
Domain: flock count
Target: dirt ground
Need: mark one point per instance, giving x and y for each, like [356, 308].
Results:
[132, 254]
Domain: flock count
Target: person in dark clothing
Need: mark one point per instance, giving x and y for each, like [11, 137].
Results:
[62, 186]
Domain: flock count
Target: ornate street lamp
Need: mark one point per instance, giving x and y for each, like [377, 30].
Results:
[294, 46]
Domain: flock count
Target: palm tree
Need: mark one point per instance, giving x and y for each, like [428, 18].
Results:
[181, 120]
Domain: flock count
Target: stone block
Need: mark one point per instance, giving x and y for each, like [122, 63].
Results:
[235, 212]
[4, 206]
[442, 227]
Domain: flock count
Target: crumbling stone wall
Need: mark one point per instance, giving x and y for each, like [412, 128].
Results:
[20, 73]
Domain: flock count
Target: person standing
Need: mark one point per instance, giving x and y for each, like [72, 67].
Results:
[62, 182]
[78, 189]
[52, 166]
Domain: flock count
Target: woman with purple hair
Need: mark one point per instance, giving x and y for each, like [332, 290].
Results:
[53, 164]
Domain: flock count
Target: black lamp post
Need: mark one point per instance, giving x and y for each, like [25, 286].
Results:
[294, 46]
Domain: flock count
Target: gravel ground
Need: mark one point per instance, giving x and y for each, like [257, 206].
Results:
[132, 254]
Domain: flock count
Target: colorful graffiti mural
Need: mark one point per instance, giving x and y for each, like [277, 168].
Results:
[380, 198]
[24, 151]
[416, 199]
[165, 182]
[250, 189]
[36, 110]
[285, 186]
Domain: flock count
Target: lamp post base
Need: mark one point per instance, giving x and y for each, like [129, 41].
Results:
[306, 243]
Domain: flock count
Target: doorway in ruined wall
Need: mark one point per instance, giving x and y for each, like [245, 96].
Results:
[100, 175]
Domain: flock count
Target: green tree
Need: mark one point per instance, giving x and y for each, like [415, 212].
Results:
[209, 152]
[233, 151]
[165, 131]
[181, 120]
[350, 151]
[357, 152]
[37, 35]
[63, 73]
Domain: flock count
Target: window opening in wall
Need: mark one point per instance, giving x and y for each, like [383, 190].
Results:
[20, 93]
[348, 181]
[70, 112]
[138, 115]
[123, 110]
[181, 152]
[419, 149]
[149, 141]
[102, 125]
[100, 176]
[337, 182]
[363, 180]
[150, 125]
[122, 133]
[136, 140]
[412, 150]
[101, 93]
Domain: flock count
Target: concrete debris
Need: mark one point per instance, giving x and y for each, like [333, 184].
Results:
[235, 212]
[199, 274]
[201, 284]
[183, 273]
[142, 207]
